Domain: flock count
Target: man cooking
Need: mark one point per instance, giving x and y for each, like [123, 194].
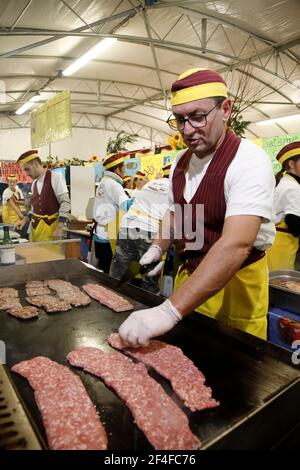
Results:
[224, 277]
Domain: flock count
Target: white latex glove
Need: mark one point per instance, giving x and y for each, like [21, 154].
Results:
[153, 254]
[143, 325]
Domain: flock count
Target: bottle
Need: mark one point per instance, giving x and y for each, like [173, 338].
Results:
[8, 253]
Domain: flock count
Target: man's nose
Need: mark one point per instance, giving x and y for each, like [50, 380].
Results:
[188, 129]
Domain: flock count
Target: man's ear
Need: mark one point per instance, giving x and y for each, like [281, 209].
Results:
[227, 108]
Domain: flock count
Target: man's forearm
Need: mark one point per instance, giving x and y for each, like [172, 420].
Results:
[16, 208]
[219, 265]
[64, 206]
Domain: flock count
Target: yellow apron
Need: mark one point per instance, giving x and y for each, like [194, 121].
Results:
[43, 232]
[9, 215]
[243, 302]
[282, 255]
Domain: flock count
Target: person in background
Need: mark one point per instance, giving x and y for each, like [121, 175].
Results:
[50, 201]
[139, 226]
[127, 184]
[110, 199]
[221, 200]
[12, 201]
[139, 181]
[283, 253]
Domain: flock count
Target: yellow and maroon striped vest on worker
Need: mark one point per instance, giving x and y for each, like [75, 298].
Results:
[210, 193]
[44, 204]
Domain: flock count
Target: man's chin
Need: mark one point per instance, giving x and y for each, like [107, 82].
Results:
[198, 147]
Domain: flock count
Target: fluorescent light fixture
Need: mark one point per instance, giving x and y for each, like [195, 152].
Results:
[35, 98]
[28, 104]
[88, 56]
[279, 120]
[25, 107]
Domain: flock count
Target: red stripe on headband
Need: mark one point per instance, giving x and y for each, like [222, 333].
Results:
[197, 78]
[287, 148]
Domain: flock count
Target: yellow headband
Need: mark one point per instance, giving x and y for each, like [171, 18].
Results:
[289, 154]
[115, 163]
[198, 92]
[28, 159]
[166, 172]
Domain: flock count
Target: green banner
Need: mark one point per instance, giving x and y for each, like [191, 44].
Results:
[274, 144]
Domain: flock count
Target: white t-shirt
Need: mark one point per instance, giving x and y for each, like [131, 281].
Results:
[110, 195]
[8, 194]
[58, 183]
[149, 206]
[287, 198]
[248, 187]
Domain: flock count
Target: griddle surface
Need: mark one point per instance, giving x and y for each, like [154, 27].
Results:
[251, 378]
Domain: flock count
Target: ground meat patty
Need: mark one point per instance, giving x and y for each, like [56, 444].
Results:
[57, 284]
[164, 424]
[170, 362]
[50, 303]
[33, 291]
[74, 297]
[10, 302]
[54, 304]
[37, 300]
[6, 292]
[69, 416]
[107, 297]
[69, 293]
[24, 312]
[34, 284]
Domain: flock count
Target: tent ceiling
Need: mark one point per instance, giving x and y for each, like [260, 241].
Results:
[127, 86]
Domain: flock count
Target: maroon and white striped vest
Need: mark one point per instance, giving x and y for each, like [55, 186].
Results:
[45, 203]
[210, 193]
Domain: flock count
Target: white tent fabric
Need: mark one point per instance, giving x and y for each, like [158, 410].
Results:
[127, 86]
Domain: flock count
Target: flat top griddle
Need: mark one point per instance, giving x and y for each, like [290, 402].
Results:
[255, 381]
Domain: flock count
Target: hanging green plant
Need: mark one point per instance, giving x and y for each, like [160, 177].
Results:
[118, 143]
[237, 122]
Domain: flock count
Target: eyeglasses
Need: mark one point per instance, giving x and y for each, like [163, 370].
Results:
[196, 121]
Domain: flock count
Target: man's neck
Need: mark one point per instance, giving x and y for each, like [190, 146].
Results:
[42, 173]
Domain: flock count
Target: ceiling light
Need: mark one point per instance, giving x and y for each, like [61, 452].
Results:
[25, 107]
[35, 98]
[278, 120]
[29, 104]
[88, 56]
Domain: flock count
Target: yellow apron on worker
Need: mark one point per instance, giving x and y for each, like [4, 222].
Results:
[282, 255]
[9, 215]
[45, 211]
[243, 302]
[41, 231]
